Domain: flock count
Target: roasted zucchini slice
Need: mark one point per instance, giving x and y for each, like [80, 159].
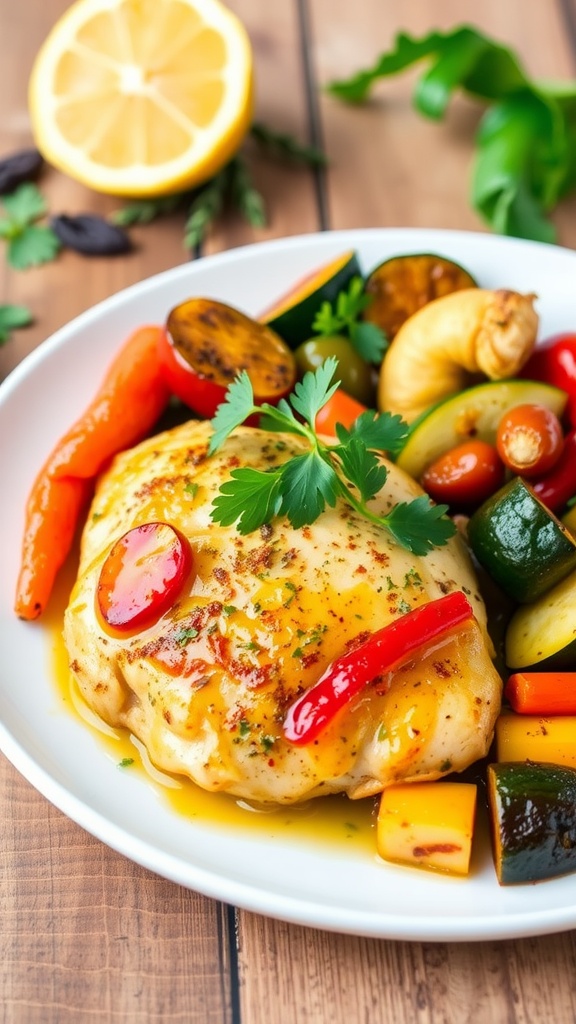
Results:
[542, 635]
[403, 284]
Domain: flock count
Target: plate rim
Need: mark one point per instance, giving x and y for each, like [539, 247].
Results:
[376, 925]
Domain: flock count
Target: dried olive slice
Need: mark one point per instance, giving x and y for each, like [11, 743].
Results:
[19, 167]
[90, 234]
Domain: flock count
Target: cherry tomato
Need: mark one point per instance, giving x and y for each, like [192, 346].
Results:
[143, 574]
[466, 475]
[529, 439]
[354, 373]
[554, 361]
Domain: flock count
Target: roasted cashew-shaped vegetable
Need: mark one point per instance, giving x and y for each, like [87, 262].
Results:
[451, 342]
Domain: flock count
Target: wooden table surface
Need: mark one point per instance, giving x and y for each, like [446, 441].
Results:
[86, 935]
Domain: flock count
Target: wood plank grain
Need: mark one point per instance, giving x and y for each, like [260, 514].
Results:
[281, 103]
[87, 935]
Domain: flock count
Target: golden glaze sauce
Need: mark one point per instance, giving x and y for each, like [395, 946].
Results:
[334, 821]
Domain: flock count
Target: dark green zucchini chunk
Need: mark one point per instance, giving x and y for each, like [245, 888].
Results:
[521, 544]
[533, 820]
[292, 315]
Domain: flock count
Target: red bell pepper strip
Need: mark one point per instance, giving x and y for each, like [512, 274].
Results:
[559, 485]
[349, 675]
[554, 361]
[128, 403]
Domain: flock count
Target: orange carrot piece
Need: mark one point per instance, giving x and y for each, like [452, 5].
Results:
[542, 693]
[125, 408]
[340, 408]
[52, 513]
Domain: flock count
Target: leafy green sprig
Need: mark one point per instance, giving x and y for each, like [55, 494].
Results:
[28, 243]
[526, 144]
[302, 487]
[343, 317]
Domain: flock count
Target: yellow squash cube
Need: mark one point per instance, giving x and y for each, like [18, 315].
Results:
[536, 738]
[428, 825]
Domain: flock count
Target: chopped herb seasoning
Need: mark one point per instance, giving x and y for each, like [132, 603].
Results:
[184, 636]
[125, 762]
[412, 578]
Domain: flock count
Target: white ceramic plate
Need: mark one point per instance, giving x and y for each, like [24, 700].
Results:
[342, 889]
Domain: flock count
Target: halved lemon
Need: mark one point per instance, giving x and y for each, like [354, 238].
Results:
[142, 97]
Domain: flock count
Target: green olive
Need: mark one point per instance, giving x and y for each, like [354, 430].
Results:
[353, 372]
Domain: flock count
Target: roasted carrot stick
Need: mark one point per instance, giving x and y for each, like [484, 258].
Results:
[128, 403]
[542, 693]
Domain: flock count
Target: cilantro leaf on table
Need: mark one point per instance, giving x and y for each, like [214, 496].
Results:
[342, 317]
[28, 244]
[12, 317]
[525, 159]
[302, 486]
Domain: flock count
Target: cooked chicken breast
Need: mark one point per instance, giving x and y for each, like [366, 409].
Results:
[207, 687]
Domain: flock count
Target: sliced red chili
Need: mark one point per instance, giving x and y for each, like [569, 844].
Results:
[346, 677]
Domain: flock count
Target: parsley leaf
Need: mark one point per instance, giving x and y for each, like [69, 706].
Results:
[343, 318]
[250, 498]
[383, 433]
[314, 390]
[12, 317]
[302, 486]
[236, 407]
[28, 244]
[362, 467]
[419, 525]
[309, 482]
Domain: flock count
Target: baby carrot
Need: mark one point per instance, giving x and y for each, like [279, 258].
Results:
[128, 403]
[542, 693]
[130, 399]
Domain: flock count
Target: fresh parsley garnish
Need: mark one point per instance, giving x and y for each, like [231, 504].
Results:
[28, 243]
[343, 317]
[12, 317]
[305, 484]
